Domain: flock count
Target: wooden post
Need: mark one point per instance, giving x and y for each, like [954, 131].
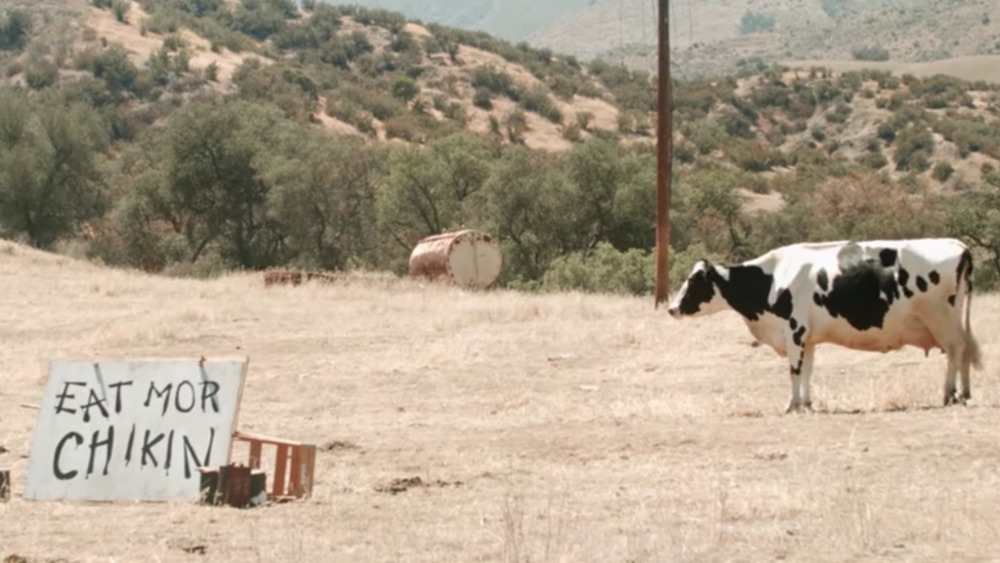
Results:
[255, 451]
[280, 466]
[664, 138]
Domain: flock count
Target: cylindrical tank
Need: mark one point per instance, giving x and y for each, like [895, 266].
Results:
[468, 258]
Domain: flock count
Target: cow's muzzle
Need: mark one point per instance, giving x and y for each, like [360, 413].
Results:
[674, 312]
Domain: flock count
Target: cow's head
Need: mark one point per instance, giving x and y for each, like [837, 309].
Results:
[700, 294]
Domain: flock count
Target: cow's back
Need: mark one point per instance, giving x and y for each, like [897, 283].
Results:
[872, 295]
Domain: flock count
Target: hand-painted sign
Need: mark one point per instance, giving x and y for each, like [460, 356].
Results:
[133, 429]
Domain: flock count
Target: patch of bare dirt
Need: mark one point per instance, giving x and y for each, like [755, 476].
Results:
[605, 115]
[754, 202]
[140, 46]
[339, 446]
[416, 30]
[403, 484]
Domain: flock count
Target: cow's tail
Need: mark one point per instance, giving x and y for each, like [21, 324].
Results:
[972, 355]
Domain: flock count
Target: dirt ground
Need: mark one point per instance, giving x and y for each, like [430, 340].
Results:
[496, 426]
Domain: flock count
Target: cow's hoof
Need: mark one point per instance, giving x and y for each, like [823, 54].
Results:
[953, 399]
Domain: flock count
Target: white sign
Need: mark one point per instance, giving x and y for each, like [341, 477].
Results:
[133, 429]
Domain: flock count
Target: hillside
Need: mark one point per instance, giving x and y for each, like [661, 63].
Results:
[710, 36]
[513, 20]
[263, 134]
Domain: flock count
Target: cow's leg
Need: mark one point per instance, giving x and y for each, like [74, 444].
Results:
[951, 338]
[805, 375]
[970, 358]
[800, 369]
[954, 352]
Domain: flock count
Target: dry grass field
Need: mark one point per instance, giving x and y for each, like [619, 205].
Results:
[541, 428]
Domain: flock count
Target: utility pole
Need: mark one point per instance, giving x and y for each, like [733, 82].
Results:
[664, 139]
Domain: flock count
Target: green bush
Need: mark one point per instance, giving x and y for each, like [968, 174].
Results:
[942, 171]
[483, 99]
[914, 145]
[886, 132]
[15, 30]
[871, 53]
[605, 270]
[495, 82]
[839, 113]
[537, 100]
[405, 88]
[120, 8]
[873, 160]
[42, 74]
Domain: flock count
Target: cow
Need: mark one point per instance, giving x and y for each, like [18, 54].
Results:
[877, 295]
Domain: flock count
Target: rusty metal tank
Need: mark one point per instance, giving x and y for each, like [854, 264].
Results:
[468, 258]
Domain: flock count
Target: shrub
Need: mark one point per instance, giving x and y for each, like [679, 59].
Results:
[873, 160]
[212, 72]
[537, 100]
[942, 171]
[482, 99]
[15, 30]
[496, 82]
[42, 74]
[605, 270]
[405, 88]
[871, 53]
[456, 112]
[839, 113]
[886, 132]
[517, 126]
[753, 157]
[120, 9]
[401, 128]
[913, 147]
[573, 132]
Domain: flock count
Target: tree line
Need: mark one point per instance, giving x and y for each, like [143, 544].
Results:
[229, 183]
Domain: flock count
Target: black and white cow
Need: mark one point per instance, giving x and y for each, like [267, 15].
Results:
[873, 295]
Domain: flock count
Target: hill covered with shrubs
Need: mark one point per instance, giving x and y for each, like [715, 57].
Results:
[194, 136]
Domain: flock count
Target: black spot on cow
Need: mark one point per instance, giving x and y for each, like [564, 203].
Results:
[699, 291]
[888, 257]
[746, 290]
[783, 305]
[856, 293]
[921, 284]
[904, 279]
[798, 335]
[818, 299]
[793, 324]
[951, 300]
[797, 368]
[823, 280]
[934, 277]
